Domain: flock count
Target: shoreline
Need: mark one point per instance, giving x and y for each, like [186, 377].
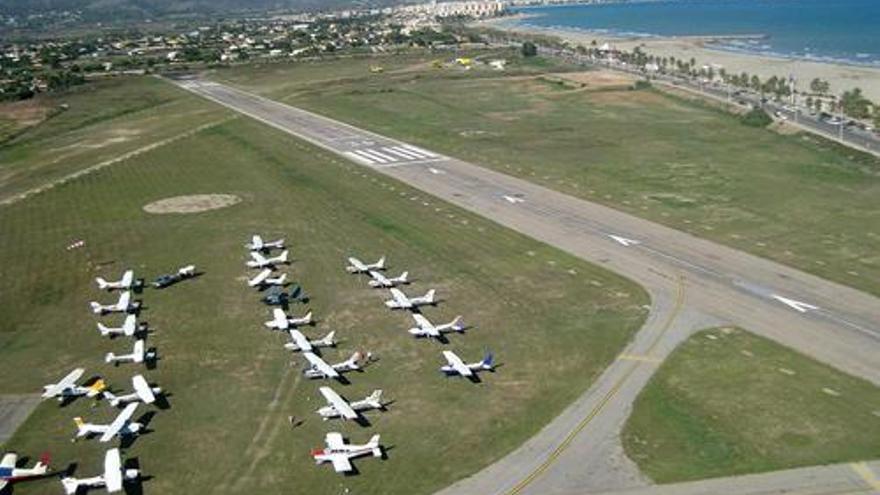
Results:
[841, 75]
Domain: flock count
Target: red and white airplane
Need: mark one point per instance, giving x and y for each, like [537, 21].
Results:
[339, 453]
[9, 473]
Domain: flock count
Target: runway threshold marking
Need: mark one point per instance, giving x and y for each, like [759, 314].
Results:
[867, 475]
[519, 487]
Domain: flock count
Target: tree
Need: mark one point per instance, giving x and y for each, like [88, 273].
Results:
[529, 49]
[854, 104]
[755, 83]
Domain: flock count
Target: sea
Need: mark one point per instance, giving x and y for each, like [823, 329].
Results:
[823, 30]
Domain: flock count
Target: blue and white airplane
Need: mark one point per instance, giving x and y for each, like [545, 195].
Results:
[457, 367]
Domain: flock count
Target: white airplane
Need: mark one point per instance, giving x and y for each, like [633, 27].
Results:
[357, 266]
[137, 355]
[262, 279]
[9, 473]
[111, 480]
[123, 305]
[280, 320]
[258, 244]
[337, 407]
[299, 342]
[458, 367]
[142, 393]
[129, 327]
[320, 369]
[259, 261]
[123, 283]
[424, 327]
[401, 301]
[67, 387]
[339, 453]
[381, 281]
[122, 426]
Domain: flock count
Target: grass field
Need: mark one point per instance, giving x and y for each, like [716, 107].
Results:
[728, 402]
[792, 199]
[553, 321]
[100, 122]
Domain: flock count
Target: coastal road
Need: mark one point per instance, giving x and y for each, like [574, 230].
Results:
[693, 284]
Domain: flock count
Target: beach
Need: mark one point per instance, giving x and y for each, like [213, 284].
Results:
[840, 76]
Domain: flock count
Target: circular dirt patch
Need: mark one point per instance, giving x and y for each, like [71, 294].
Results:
[192, 204]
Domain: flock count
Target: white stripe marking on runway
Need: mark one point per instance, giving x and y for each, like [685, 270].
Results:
[419, 150]
[358, 158]
[401, 153]
[381, 155]
[370, 157]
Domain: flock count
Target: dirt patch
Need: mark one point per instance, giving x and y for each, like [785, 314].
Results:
[597, 79]
[27, 112]
[192, 204]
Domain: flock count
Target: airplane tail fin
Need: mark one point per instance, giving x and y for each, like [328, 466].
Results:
[103, 329]
[80, 424]
[96, 308]
[456, 324]
[430, 296]
[375, 399]
[96, 388]
[488, 361]
[328, 339]
[402, 278]
[282, 258]
[280, 280]
[102, 284]
[71, 486]
[42, 466]
[381, 263]
[374, 445]
[114, 401]
[110, 357]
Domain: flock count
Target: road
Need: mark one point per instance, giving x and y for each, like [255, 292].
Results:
[693, 284]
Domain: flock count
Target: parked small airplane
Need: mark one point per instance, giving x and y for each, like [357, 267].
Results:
[112, 478]
[142, 393]
[126, 282]
[339, 453]
[122, 426]
[339, 407]
[169, 279]
[258, 244]
[129, 327]
[381, 281]
[262, 279]
[137, 355]
[357, 266]
[280, 320]
[458, 367]
[299, 342]
[9, 473]
[259, 261]
[67, 387]
[401, 301]
[320, 369]
[276, 296]
[424, 327]
[123, 305]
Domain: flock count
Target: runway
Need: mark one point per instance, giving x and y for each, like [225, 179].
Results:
[693, 284]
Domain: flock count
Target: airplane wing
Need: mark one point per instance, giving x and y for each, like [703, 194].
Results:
[256, 242]
[399, 297]
[124, 300]
[356, 264]
[66, 382]
[113, 471]
[338, 403]
[341, 463]
[127, 278]
[9, 460]
[119, 422]
[280, 318]
[378, 277]
[320, 365]
[425, 325]
[259, 258]
[143, 390]
[260, 278]
[300, 340]
[457, 364]
[334, 440]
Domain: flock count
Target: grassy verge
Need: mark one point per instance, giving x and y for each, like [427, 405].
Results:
[728, 402]
[792, 199]
[553, 321]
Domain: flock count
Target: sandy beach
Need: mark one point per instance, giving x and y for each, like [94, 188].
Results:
[841, 77]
